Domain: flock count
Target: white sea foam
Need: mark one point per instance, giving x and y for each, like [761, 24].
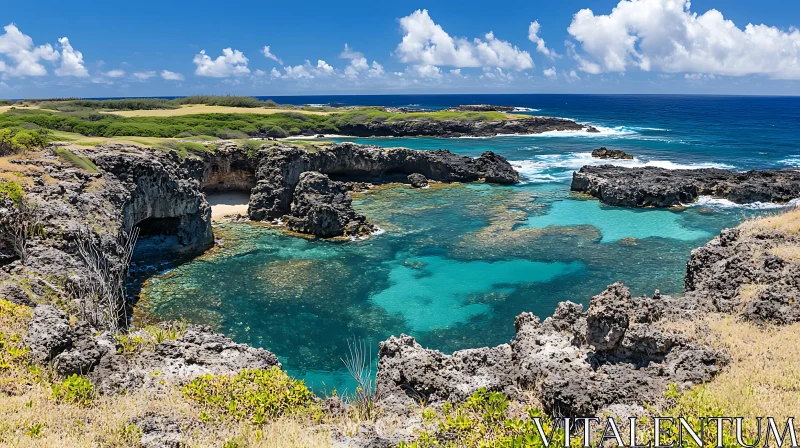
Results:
[717, 203]
[559, 167]
[312, 137]
[793, 161]
[617, 131]
[525, 109]
[316, 105]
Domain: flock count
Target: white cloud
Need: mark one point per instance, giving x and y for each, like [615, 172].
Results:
[268, 54]
[550, 73]
[19, 48]
[541, 47]
[117, 73]
[426, 44]
[664, 35]
[573, 75]
[349, 53]
[376, 71]
[71, 61]
[171, 76]
[456, 72]
[231, 63]
[305, 71]
[144, 75]
[427, 71]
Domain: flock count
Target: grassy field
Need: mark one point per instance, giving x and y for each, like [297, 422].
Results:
[203, 109]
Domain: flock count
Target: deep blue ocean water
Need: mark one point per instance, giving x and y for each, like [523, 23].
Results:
[457, 263]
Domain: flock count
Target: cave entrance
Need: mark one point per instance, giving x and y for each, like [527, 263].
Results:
[159, 227]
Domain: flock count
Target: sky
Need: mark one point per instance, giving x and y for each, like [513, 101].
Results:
[174, 47]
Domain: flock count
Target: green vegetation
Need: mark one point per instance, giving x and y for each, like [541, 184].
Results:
[11, 190]
[6, 102]
[253, 395]
[221, 125]
[76, 160]
[484, 420]
[14, 139]
[73, 105]
[147, 338]
[74, 389]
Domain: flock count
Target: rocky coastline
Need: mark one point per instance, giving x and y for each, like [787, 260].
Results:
[425, 127]
[660, 187]
[616, 356]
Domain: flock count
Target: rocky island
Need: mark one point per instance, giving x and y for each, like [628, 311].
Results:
[660, 187]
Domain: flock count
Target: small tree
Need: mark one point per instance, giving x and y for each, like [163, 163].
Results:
[101, 288]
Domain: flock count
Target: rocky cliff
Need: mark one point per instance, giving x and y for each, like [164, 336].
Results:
[659, 187]
[460, 127]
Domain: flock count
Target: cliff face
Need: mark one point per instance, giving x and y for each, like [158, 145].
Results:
[279, 170]
[659, 187]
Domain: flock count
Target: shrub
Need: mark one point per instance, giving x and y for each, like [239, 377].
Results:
[277, 131]
[252, 395]
[483, 421]
[74, 389]
[11, 190]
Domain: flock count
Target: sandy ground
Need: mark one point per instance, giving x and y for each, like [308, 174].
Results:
[201, 109]
[224, 204]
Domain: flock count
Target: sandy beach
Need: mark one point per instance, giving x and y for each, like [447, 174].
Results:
[226, 204]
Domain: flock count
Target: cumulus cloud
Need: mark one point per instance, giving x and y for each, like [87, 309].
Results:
[23, 55]
[142, 76]
[116, 73]
[425, 43]
[230, 63]
[358, 64]
[71, 61]
[305, 71]
[268, 54]
[541, 47]
[664, 35]
[171, 76]
[427, 71]
[349, 53]
[550, 73]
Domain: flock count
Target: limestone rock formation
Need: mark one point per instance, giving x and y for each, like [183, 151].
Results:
[579, 362]
[417, 180]
[49, 333]
[459, 127]
[605, 153]
[323, 207]
[659, 187]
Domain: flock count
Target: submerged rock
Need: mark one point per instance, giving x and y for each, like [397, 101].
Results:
[605, 153]
[417, 180]
[660, 187]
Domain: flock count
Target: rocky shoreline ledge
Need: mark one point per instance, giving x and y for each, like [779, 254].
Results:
[616, 356]
[660, 187]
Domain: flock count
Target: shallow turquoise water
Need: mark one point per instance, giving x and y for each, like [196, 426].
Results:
[456, 264]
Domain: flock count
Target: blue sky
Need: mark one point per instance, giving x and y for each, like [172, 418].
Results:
[99, 49]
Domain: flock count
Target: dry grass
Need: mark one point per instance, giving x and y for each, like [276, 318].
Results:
[750, 291]
[202, 109]
[787, 222]
[787, 252]
[763, 378]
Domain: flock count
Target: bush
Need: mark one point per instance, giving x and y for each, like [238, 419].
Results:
[74, 389]
[483, 421]
[252, 395]
[277, 131]
[11, 190]
[76, 160]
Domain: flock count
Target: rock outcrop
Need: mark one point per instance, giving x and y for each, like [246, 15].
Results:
[659, 187]
[323, 207]
[481, 108]
[280, 169]
[417, 180]
[579, 362]
[614, 154]
[750, 271]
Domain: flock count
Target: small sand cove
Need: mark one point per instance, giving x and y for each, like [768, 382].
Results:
[226, 204]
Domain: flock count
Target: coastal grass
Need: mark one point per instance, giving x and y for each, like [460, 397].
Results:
[787, 222]
[220, 124]
[76, 160]
[203, 109]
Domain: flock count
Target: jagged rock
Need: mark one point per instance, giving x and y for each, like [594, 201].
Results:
[280, 168]
[458, 127]
[15, 294]
[83, 354]
[579, 362]
[605, 153]
[659, 187]
[738, 273]
[160, 431]
[49, 333]
[324, 208]
[417, 180]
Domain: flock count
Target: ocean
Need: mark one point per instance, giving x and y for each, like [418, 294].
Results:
[456, 263]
